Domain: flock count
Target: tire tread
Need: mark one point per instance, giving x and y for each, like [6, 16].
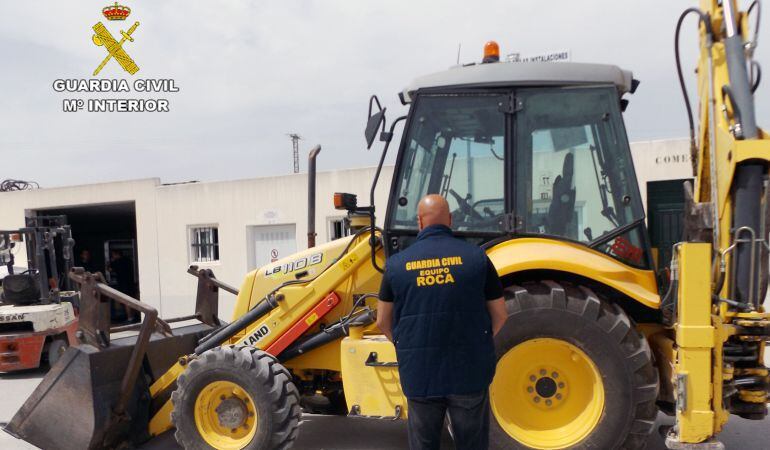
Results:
[280, 390]
[583, 301]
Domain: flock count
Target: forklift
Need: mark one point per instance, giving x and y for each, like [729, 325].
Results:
[38, 306]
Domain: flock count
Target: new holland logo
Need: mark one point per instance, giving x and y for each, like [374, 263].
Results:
[257, 336]
[104, 38]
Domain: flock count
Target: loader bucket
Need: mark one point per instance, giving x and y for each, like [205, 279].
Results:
[72, 408]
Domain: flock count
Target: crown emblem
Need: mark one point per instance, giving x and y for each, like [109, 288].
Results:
[116, 12]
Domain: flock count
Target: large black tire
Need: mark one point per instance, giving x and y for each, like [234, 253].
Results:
[258, 373]
[603, 331]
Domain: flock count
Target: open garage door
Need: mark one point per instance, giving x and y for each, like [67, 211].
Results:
[105, 241]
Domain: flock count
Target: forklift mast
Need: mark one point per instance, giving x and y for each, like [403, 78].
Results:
[49, 247]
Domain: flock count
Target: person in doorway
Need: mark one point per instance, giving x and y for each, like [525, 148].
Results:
[123, 269]
[85, 261]
[441, 302]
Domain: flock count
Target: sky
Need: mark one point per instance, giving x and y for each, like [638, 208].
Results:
[251, 71]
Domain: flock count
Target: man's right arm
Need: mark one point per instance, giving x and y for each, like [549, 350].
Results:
[498, 313]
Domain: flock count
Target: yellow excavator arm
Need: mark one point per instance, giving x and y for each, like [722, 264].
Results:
[720, 271]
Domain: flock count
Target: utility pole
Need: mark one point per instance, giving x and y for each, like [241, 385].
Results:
[295, 146]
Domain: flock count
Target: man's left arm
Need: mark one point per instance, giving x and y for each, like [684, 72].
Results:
[385, 318]
[493, 291]
[385, 308]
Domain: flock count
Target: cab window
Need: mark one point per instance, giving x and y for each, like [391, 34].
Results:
[574, 174]
[455, 148]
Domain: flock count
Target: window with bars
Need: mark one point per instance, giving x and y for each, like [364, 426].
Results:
[204, 244]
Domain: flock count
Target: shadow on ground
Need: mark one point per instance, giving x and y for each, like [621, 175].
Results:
[342, 433]
[333, 433]
[28, 374]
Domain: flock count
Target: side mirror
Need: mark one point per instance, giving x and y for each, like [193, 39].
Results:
[375, 122]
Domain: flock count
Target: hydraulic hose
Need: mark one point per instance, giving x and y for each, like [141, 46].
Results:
[706, 21]
[264, 306]
[755, 4]
[755, 69]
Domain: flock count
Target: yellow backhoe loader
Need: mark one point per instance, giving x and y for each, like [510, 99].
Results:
[535, 162]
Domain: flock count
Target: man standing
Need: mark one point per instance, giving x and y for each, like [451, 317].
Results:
[441, 302]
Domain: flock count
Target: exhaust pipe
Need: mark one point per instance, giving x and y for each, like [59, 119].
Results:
[311, 234]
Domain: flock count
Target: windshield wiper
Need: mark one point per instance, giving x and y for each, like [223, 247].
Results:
[448, 177]
[607, 210]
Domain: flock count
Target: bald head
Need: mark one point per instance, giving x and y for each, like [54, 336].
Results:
[433, 209]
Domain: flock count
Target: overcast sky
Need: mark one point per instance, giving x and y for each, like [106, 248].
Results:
[251, 71]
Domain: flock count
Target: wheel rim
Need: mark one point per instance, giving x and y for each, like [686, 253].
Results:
[547, 393]
[225, 415]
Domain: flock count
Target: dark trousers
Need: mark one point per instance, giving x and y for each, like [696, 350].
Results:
[468, 420]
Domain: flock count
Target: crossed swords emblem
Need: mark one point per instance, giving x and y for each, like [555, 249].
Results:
[103, 37]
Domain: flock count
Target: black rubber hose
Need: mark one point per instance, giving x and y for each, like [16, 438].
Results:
[755, 4]
[223, 334]
[758, 77]
[706, 21]
[265, 305]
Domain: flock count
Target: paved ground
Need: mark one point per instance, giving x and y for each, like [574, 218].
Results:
[341, 433]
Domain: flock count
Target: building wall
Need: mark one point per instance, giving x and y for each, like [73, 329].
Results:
[164, 214]
[234, 206]
[661, 160]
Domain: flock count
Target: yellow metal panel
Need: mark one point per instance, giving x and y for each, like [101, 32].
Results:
[376, 390]
[694, 336]
[517, 255]
[161, 421]
[696, 419]
[299, 299]
[324, 357]
[721, 373]
[167, 379]
[265, 279]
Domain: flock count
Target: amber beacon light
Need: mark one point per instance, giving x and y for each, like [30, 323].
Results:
[491, 52]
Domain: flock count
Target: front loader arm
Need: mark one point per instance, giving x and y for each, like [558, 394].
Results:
[278, 319]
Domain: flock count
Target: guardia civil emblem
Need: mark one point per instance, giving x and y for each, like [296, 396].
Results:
[114, 48]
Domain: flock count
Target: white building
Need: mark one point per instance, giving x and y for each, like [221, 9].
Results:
[236, 226]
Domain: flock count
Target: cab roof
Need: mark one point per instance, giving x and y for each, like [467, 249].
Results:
[503, 74]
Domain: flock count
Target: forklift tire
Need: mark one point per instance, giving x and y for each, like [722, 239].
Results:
[235, 397]
[56, 349]
[572, 372]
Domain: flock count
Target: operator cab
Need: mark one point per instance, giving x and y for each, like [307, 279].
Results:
[521, 150]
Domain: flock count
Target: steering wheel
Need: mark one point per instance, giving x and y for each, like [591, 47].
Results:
[466, 207]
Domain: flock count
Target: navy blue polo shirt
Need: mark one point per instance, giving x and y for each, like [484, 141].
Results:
[442, 330]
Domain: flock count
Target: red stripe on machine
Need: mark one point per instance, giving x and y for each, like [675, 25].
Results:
[303, 324]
